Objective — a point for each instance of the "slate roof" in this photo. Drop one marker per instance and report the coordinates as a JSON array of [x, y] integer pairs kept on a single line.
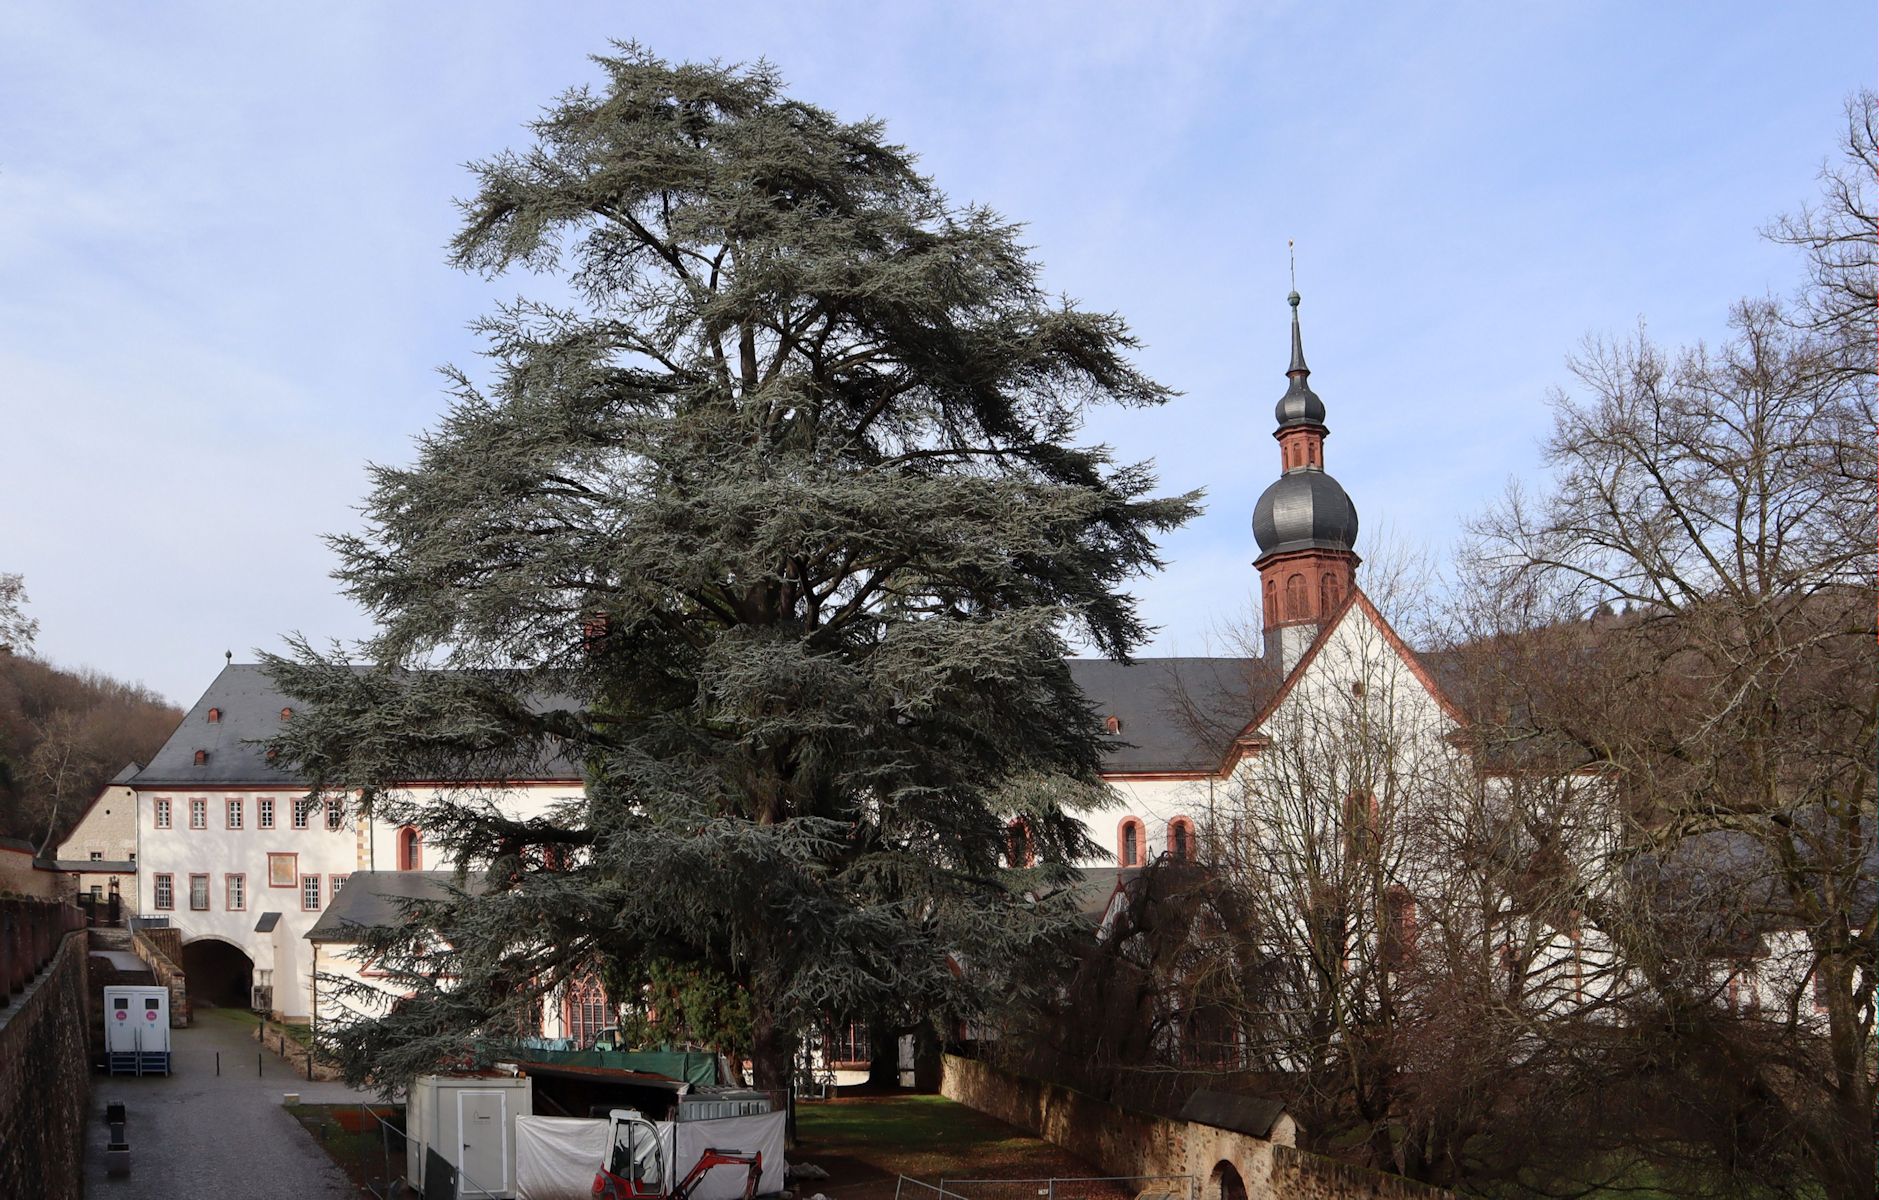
[[1251, 1115], [250, 709], [372, 898], [1177, 714]]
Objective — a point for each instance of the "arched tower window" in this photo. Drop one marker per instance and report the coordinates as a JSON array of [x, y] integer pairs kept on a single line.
[[1327, 592], [1129, 843], [1272, 602], [410, 849], [1181, 839], [1296, 604]]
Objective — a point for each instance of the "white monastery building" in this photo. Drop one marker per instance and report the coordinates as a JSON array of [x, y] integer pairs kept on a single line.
[[230, 850], [262, 882]]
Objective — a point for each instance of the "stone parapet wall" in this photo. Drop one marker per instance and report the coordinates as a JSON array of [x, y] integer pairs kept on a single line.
[[1120, 1142], [45, 1081], [148, 945], [1297, 1175]]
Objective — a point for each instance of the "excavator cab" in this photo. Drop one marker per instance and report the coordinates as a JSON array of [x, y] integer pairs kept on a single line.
[[635, 1164]]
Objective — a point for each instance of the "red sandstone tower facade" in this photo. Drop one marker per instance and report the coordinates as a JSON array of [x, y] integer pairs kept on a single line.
[[1305, 524]]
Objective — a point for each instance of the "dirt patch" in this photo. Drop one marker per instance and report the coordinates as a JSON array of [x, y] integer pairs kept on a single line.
[[867, 1143]]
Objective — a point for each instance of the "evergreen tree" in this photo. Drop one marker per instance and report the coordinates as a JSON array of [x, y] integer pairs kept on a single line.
[[775, 528]]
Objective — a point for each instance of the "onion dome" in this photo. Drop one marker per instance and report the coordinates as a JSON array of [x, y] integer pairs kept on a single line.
[[1300, 405], [1304, 510]]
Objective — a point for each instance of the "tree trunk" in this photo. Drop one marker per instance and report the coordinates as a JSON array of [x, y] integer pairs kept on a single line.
[[772, 1047], [883, 1055]]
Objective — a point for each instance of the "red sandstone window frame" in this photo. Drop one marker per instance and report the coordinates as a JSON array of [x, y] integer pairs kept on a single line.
[[198, 812], [1182, 829], [585, 1011], [1124, 827], [315, 893], [235, 891], [264, 812], [303, 812], [275, 876], [335, 814], [161, 812], [234, 813], [333, 885], [410, 848], [163, 891], [193, 877]]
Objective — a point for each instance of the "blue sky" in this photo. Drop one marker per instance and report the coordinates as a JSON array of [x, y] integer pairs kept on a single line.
[[222, 287]]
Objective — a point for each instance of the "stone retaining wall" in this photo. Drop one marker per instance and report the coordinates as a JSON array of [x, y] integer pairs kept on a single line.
[[1119, 1142], [45, 1081], [147, 944]]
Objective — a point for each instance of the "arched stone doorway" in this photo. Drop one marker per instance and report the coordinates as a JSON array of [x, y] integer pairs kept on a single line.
[[1225, 1183], [218, 973]]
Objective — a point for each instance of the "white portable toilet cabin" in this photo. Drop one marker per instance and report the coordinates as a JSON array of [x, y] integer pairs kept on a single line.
[[467, 1121], [137, 1030]]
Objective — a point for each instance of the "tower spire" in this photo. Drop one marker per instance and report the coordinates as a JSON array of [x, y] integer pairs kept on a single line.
[[1304, 522], [1298, 345]]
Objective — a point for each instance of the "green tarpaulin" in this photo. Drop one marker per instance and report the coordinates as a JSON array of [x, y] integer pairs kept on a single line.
[[692, 1066]]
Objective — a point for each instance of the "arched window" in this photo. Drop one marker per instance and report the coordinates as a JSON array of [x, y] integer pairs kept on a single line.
[[1181, 839], [1272, 602], [1327, 592], [1296, 604], [1112, 724], [1129, 843], [410, 849], [585, 1012]]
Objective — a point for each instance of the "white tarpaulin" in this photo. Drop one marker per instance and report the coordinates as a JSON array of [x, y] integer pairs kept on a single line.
[[556, 1158], [763, 1133]]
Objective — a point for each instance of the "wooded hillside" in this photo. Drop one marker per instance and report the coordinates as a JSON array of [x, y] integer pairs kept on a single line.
[[63, 735]]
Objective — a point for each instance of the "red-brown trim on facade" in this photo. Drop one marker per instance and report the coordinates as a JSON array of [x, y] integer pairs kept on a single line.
[[295, 873], [1158, 776], [243, 876]]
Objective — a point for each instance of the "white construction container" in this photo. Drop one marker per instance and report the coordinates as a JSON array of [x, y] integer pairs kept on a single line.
[[467, 1121], [137, 1030]]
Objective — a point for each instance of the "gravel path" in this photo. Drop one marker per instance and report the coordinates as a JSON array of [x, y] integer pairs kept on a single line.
[[196, 1134]]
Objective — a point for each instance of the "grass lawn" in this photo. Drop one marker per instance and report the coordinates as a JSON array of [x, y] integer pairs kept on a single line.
[[866, 1142], [370, 1155]]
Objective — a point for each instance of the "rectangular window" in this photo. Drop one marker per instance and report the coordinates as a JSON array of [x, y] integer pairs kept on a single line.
[[282, 869], [97, 856], [233, 813], [264, 812], [310, 893], [199, 893], [333, 884], [162, 806], [165, 891], [235, 898], [303, 812], [335, 814], [199, 812]]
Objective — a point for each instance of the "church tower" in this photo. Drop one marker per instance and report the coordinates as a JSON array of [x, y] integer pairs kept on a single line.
[[1304, 523]]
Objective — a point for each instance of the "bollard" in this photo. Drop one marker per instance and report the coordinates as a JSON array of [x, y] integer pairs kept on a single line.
[[218, 1062]]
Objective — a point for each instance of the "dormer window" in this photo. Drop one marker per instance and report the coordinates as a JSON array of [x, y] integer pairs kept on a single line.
[[1112, 724], [287, 714], [215, 716], [202, 756]]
